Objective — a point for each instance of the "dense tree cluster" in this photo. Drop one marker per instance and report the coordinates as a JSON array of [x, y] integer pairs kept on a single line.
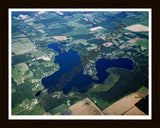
[[129, 81]]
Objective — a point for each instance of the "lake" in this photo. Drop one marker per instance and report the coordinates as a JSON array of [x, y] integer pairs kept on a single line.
[[69, 60]]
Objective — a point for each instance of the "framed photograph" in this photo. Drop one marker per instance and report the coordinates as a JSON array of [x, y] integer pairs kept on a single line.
[[80, 64]]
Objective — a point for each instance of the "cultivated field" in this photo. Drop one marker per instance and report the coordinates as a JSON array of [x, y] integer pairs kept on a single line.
[[134, 40], [137, 28], [125, 104], [41, 12], [18, 36], [103, 37], [60, 38], [85, 107], [116, 43], [23, 17], [134, 111], [29, 20], [96, 28], [121, 47], [58, 12], [108, 44]]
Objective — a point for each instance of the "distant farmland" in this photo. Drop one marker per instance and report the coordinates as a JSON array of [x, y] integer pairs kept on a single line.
[[85, 107], [126, 105]]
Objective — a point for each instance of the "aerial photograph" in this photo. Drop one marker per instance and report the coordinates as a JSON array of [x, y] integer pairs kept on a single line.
[[72, 62]]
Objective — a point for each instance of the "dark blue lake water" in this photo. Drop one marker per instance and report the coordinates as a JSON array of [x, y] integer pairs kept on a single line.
[[68, 61]]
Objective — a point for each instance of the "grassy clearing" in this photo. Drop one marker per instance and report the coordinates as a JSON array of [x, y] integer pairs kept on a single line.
[[143, 43], [144, 22], [37, 110], [38, 25], [31, 34], [77, 31], [37, 53], [23, 46], [17, 109], [49, 15], [28, 74], [60, 108], [100, 103], [18, 71], [109, 82], [142, 88]]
